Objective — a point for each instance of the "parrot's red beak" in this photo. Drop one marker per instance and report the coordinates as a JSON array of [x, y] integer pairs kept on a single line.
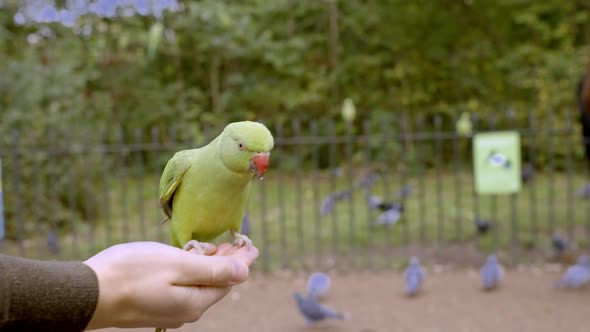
[[260, 161]]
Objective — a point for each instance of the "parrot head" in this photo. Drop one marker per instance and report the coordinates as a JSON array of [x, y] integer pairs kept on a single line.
[[245, 147]]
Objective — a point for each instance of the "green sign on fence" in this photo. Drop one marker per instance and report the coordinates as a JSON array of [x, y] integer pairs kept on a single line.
[[496, 162]]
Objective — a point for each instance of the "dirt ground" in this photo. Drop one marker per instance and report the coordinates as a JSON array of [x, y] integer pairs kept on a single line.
[[451, 301]]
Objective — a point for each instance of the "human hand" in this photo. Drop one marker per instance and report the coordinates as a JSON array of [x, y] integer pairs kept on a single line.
[[148, 284]]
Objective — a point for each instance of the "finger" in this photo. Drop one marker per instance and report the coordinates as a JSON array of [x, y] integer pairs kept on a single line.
[[194, 270], [245, 254], [209, 248]]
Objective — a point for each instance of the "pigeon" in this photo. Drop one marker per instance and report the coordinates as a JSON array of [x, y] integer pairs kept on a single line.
[[376, 202], [330, 200], [405, 191], [576, 275], [337, 172], [367, 182], [327, 205], [559, 243], [313, 311], [584, 192], [340, 195], [482, 225], [389, 217], [414, 277], [565, 252], [318, 285], [52, 243], [491, 273], [528, 172]]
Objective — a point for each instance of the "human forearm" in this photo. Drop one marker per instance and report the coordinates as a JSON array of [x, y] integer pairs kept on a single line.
[[47, 296]]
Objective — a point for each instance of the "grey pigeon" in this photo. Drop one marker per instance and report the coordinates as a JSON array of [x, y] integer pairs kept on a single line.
[[52, 243], [491, 273], [313, 311], [482, 225], [559, 243], [337, 172], [327, 205], [318, 285], [584, 192], [414, 277], [246, 225], [389, 217], [376, 202], [330, 200], [528, 172], [367, 181], [576, 275], [340, 195], [405, 191]]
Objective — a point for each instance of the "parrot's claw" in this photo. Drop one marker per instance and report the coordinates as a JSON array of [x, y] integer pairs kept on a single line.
[[199, 248], [241, 240]]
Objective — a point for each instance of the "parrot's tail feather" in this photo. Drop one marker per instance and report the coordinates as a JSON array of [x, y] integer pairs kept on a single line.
[[165, 220]]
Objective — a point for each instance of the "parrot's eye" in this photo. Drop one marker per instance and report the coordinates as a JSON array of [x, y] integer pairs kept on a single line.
[[241, 146]]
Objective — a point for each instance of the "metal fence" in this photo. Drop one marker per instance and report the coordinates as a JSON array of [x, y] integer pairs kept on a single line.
[[338, 195]]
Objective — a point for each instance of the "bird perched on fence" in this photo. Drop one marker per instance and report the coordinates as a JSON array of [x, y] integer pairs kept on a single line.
[[491, 273], [414, 277], [577, 275], [313, 311], [318, 285], [204, 191]]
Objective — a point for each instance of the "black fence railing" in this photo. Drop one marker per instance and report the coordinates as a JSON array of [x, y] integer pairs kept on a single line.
[[366, 195]]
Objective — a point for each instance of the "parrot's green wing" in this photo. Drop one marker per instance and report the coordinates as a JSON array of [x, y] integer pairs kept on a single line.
[[171, 179]]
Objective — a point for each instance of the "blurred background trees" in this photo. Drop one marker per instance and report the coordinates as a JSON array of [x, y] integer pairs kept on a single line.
[[109, 71], [137, 63]]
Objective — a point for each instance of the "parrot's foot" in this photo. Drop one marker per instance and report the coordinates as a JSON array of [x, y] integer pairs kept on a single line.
[[241, 240], [200, 248]]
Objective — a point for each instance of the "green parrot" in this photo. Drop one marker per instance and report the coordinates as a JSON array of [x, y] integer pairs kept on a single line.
[[204, 191]]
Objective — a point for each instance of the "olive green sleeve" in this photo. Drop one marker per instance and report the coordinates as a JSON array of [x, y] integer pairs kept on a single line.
[[46, 296]]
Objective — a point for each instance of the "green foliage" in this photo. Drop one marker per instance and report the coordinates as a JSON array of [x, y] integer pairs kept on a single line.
[[219, 61]]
